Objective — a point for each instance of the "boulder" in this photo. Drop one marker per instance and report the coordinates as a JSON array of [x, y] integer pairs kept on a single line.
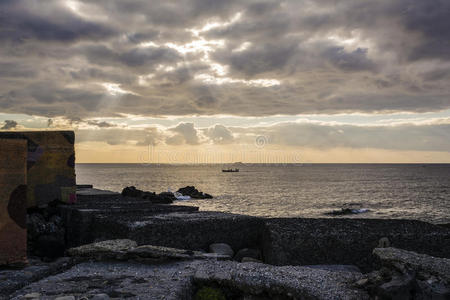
[[221, 248], [249, 253], [167, 253], [421, 264], [194, 193], [128, 250], [408, 275], [162, 198], [109, 249]]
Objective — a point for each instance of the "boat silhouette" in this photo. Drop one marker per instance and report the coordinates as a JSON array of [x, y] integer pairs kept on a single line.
[[230, 170]]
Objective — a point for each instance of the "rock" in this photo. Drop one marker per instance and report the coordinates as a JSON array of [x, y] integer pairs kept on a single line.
[[49, 246], [250, 259], [422, 264], [409, 275], [100, 297], [162, 198], [247, 252], [336, 268], [32, 296], [399, 287], [45, 232], [128, 250], [384, 243], [65, 298], [347, 211], [166, 253], [131, 191], [296, 241], [288, 282], [221, 248], [111, 249], [193, 193]]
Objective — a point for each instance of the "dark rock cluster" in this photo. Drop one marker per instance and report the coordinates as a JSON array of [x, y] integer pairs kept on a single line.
[[407, 275], [194, 193], [46, 232], [161, 198]]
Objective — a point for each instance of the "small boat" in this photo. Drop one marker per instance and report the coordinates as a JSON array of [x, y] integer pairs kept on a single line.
[[230, 170]]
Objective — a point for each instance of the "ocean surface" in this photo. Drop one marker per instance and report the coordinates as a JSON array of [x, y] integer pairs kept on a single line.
[[412, 191]]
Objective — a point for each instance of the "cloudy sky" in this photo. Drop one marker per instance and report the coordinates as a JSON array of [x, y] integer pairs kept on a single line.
[[222, 81]]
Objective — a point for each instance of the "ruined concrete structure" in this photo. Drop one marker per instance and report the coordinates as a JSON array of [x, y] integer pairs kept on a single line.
[[36, 168], [13, 180], [50, 165]]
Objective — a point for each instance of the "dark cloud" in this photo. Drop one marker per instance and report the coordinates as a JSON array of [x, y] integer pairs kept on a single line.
[[9, 124], [25, 20], [349, 61], [258, 59], [323, 56]]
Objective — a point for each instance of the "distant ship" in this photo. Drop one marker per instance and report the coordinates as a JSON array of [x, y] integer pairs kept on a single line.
[[230, 170]]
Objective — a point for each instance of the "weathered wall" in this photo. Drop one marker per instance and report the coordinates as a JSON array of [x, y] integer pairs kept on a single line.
[[13, 179], [296, 241], [50, 165]]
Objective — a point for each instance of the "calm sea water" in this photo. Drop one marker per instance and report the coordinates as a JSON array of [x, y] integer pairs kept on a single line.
[[410, 191]]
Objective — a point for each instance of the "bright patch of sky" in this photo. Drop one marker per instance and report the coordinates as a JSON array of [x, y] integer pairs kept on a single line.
[[135, 122]]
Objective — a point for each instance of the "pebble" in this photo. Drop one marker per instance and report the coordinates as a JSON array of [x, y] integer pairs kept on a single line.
[[65, 298]]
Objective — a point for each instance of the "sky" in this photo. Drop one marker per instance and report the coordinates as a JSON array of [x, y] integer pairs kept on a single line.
[[209, 81]]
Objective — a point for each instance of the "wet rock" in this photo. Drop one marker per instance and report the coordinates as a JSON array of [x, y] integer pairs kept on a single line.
[[194, 193], [347, 211], [108, 249], [221, 248], [249, 253], [100, 297], [162, 198], [132, 191]]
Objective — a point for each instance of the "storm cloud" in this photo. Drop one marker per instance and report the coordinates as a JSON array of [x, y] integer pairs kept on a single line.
[[254, 58]]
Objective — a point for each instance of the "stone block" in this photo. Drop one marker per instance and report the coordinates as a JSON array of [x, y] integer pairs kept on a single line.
[[50, 165], [13, 179]]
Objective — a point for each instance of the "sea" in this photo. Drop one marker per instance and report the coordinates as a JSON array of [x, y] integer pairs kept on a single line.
[[401, 191]]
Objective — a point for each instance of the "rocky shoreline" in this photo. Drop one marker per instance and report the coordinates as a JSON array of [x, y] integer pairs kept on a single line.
[[118, 246]]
